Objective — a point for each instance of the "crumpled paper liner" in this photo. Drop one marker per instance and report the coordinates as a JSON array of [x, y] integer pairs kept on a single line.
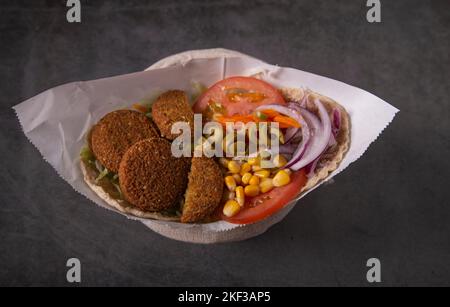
[[56, 121]]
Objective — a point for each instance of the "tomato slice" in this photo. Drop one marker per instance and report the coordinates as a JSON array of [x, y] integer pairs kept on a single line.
[[239, 95], [264, 205]]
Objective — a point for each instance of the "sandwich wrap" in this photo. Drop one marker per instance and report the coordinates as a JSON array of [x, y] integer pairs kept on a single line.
[[328, 161], [59, 135]]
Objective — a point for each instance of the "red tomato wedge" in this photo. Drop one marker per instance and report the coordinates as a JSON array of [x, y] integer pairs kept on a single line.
[[239, 95], [264, 205]]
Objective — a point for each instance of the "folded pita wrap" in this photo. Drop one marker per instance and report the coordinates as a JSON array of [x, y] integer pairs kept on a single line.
[[59, 135], [327, 163]]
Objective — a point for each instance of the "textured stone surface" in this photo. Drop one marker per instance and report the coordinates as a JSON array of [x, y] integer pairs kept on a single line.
[[392, 204]]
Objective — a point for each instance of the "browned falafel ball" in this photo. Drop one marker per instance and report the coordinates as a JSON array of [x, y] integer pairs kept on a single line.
[[116, 132], [171, 107], [204, 191], [151, 178]]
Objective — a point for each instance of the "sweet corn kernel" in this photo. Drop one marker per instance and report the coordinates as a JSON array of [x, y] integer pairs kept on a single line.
[[279, 161], [237, 178], [256, 168], [240, 196], [266, 185], [246, 178], [263, 173], [234, 167], [282, 178], [251, 190], [231, 208], [230, 183], [245, 168], [224, 162], [253, 161], [254, 180]]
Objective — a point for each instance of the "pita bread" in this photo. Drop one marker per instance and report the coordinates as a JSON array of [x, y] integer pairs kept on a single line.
[[106, 191], [328, 162], [331, 158]]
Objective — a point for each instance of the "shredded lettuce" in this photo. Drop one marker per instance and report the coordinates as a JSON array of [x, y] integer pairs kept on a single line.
[[102, 174], [117, 186], [149, 100], [99, 166], [86, 155], [197, 89]]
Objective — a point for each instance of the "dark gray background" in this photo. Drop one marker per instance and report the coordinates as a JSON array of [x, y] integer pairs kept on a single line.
[[392, 204]]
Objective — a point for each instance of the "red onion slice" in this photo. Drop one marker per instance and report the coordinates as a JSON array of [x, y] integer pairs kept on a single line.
[[288, 148], [336, 121], [320, 131], [291, 134], [299, 118], [285, 111], [295, 105], [332, 141], [310, 168], [313, 123]]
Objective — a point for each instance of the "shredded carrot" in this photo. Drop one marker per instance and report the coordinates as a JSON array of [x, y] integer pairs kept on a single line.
[[139, 107], [270, 113], [283, 126], [255, 118], [283, 121], [286, 122]]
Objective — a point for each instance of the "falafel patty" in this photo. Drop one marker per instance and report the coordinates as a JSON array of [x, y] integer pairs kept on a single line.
[[204, 191], [151, 178], [116, 132], [171, 107]]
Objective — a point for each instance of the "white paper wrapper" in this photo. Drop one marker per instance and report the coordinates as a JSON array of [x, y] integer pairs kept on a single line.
[[57, 120]]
